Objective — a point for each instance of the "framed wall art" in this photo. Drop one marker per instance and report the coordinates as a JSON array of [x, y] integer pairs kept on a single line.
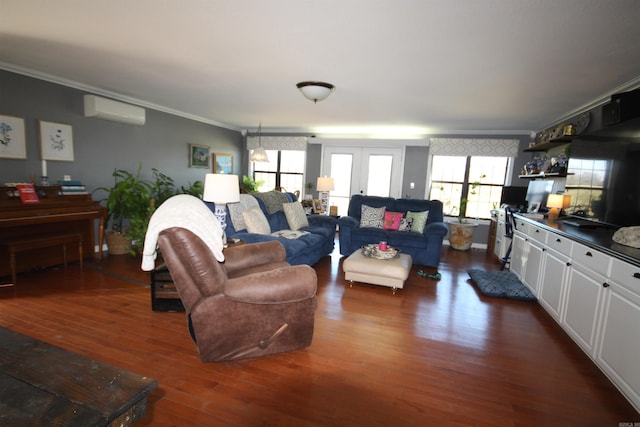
[[198, 156], [222, 163], [56, 141], [12, 141], [317, 206]]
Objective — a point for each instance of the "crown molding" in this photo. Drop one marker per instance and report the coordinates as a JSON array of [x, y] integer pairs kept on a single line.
[[113, 95]]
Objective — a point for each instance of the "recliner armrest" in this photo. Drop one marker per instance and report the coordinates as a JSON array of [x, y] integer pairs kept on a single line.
[[250, 255], [348, 221], [322, 221], [288, 284]]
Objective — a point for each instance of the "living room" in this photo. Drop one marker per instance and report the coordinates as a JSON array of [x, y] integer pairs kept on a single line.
[[165, 142]]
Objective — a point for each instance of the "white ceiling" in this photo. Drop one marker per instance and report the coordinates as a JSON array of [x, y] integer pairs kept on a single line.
[[430, 66]]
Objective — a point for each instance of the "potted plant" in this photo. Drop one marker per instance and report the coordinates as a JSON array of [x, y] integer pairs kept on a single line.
[[249, 185], [128, 199], [160, 189], [308, 194], [461, 230]]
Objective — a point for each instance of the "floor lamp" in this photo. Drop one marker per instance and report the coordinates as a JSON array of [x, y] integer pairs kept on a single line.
[[324, 185], [221, 189]]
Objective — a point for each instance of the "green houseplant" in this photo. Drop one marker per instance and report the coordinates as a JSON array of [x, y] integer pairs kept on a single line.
[[128, 199], [461, 231], [249, 185]]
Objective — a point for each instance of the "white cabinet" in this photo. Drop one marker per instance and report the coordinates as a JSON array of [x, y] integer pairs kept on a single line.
[[519, 254], [584, 299], [618, 348], [533, 265], [552, 285], [594, 297]]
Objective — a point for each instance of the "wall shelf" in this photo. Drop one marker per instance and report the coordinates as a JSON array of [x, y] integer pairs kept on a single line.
[[543, 175], [544, 146]]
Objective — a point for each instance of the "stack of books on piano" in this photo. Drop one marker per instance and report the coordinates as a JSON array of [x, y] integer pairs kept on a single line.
[[70, 188]]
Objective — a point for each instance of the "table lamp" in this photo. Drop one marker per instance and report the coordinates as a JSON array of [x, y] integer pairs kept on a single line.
[[324, 185], [556, 202], [221, 189]]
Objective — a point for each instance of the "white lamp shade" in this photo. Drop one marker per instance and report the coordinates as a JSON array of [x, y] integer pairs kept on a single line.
[[259, 155], [315, 91], [221, 188], [325, 184], [560, 201]]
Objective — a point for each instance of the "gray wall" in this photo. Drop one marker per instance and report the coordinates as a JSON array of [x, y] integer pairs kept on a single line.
[[101, 146]]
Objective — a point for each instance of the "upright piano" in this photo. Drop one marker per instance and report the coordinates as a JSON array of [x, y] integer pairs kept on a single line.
[[55, 212]]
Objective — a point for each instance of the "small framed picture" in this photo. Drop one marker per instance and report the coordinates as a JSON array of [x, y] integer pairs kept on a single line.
[[198, 156], [222, 163], [56, 141], [12, 141], [317, 206], [534, 207]]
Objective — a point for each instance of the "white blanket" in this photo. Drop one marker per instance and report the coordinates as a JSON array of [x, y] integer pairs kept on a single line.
[[184, 211]]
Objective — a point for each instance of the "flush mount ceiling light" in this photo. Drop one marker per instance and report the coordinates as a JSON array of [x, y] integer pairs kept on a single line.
[[315, 91]]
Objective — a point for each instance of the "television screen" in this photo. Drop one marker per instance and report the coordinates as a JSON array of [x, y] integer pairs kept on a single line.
[[604, 180], [537, 194]]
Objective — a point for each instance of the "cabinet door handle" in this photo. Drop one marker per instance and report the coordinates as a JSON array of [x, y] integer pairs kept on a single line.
[[636, 275], [568, 264], [558, 240], [588, 253], [605, 285], [537, 231]]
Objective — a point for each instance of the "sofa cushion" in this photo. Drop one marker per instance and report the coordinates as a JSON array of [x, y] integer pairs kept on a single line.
[[371, 217], [235, 210], [392, 220], [419, 221], [405, 224], [296, 217], [256, 221]]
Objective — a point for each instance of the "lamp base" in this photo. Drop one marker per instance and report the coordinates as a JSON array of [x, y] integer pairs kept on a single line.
[[324, 198], [221, 216], [554, 213]]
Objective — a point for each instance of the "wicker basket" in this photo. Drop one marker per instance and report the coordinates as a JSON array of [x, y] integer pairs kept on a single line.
[[117, 242]]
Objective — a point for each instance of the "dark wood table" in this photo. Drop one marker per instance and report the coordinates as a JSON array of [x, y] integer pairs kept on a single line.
[[45, 385]]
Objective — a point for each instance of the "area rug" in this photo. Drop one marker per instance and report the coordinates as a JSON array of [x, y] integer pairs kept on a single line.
[[501, 284]]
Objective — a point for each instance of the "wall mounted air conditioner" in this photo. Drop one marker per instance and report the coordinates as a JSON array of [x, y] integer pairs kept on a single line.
[[108, 109]]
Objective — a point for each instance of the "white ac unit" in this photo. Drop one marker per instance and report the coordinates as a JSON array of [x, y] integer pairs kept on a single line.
[[108, 109]]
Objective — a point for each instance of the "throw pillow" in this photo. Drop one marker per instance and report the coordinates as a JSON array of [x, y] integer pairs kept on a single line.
[[235, 210], [371, 217], [405, 224], [392, 220], [296, 217], [256, 221], [419, 220]]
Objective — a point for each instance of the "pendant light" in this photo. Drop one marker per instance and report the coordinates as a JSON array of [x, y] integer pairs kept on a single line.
[[259, 154]]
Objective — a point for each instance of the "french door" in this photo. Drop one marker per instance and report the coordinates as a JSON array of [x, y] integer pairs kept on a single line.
[[374, 171]]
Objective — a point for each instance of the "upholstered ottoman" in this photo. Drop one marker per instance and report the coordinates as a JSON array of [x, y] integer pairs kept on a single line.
[[384, 272]]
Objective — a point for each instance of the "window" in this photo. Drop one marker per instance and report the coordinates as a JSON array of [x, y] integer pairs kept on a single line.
[[473, 183], [585, 184], [284, 169]]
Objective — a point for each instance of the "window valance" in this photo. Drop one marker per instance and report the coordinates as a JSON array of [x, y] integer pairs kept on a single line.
[[474, 147], [297, 143]]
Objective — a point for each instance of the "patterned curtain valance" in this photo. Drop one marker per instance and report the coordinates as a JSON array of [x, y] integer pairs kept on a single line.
[[298, 143], [474, 147]]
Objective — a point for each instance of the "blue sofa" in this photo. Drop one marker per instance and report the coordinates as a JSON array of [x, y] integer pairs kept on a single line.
[[307, 249], [424, 248]]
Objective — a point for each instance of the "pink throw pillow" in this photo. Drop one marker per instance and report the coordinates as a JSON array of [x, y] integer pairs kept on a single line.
[[392, 220]]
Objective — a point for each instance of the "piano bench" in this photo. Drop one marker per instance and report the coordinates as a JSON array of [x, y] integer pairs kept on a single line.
[[21, 244]]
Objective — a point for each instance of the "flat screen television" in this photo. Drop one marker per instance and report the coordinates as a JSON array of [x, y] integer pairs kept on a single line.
[[604, 180], [514, 197]]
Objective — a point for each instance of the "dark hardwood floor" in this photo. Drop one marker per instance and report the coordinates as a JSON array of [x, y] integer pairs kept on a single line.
[[435, 354]]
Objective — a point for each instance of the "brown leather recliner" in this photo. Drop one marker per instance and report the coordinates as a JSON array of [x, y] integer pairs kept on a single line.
[[252, 304]]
